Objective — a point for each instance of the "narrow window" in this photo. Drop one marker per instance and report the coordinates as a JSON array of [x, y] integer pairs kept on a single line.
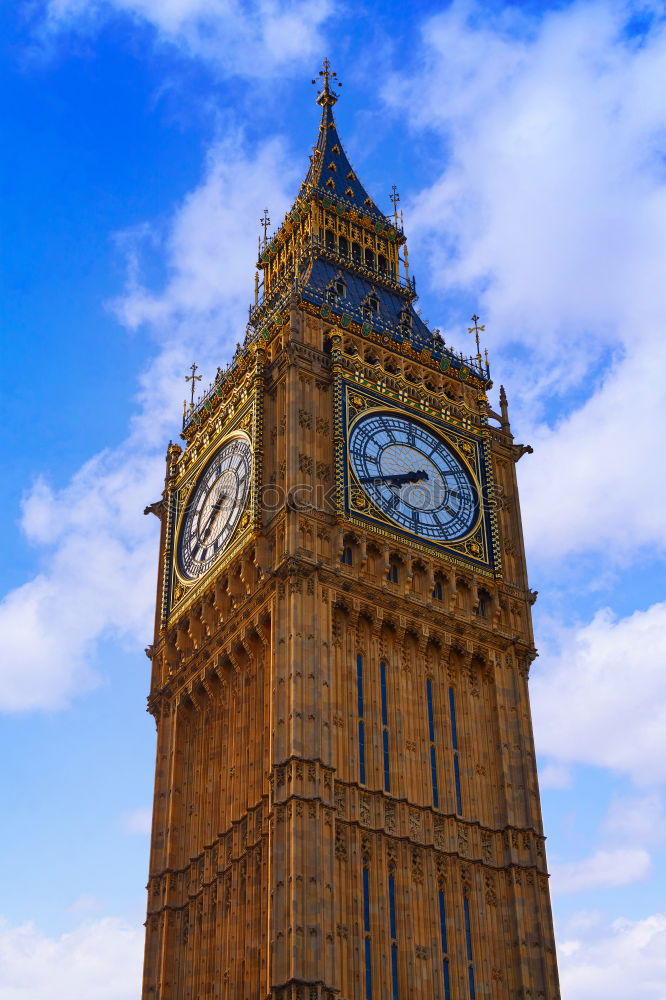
[[343, 246], [433, 749], [482, 609], [369, 259], [330, 240], [454, 744], [356, 253], [394, 936], [385, 732], [366, 930], [361, 724], [437, 591], [445, 948], [392, 573], [346, 556], [468, 939]]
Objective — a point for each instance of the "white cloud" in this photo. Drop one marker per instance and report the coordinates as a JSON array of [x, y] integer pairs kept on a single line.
[[251, 38], [101, 960], [601, 698], [99, 551], [210, 248], [605, 869], [551, 209], [98, 579], [594, 481], [622, 959], [84, 904], [638, 819], [137, 821], [553, 775]]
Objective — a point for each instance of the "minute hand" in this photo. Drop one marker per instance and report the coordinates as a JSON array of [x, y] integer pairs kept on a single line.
[[397, 479]]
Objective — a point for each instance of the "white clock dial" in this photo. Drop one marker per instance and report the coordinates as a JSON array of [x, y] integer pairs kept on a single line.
[[214, 508], [412, 474]]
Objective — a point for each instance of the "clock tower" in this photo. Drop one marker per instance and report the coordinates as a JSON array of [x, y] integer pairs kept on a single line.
[[346, 800]]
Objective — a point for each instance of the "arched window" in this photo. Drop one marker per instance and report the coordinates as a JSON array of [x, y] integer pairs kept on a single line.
[[392, 572], [483, 606], [347, 555], [437, 591]]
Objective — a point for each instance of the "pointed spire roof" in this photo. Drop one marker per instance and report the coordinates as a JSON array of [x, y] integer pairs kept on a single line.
[[330, 170]]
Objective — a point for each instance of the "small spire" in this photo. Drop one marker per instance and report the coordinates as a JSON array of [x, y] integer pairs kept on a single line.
[[504, 409], [327, 97], [265, 222], [395, 198], [476, 329], [193, 378]]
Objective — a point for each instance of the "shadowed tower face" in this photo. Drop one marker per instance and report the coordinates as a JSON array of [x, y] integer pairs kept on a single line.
[[346, 800]]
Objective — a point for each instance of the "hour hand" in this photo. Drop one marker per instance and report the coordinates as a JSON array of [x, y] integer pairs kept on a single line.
[[397, 479], [215, 508]]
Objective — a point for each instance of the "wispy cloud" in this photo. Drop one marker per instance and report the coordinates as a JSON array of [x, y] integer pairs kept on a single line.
[[549, 208], [248, 38], [98, 550], [637, 819], [605, 869], [612, 960], [100, 959], [137, 821], [601, 697]]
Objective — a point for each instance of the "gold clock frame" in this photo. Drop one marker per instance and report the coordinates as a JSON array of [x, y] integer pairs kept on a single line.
[[180, 592], [478, 547], [188, 488]]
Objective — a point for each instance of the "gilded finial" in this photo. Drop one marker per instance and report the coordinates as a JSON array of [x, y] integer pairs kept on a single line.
[[193, 378], [326, 96], [395, 198], [476, 329], [265, 222]]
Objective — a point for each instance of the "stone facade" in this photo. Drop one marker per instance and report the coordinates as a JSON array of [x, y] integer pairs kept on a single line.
[[279, 867]]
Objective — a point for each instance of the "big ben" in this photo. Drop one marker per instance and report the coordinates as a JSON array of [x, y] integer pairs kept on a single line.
[[346, 800]]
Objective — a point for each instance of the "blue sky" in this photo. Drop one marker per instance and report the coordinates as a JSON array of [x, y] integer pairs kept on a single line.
[[142, 140]]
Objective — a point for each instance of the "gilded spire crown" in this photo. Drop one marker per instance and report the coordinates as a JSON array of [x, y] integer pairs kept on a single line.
[[330, 170]]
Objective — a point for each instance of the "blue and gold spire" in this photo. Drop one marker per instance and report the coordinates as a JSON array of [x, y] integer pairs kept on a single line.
[[342, 259], [330, 171]]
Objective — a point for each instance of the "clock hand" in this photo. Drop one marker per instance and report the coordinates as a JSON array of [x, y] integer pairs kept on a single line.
[[215, 509], [397, 479]]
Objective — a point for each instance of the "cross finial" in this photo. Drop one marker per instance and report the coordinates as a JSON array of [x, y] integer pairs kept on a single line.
[[395, 198], [330, 79], [476, 329], [193, 378], [265, 222]]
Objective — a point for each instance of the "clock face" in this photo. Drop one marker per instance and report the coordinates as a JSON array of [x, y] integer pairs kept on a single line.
[[214, 508], [413, 476]]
